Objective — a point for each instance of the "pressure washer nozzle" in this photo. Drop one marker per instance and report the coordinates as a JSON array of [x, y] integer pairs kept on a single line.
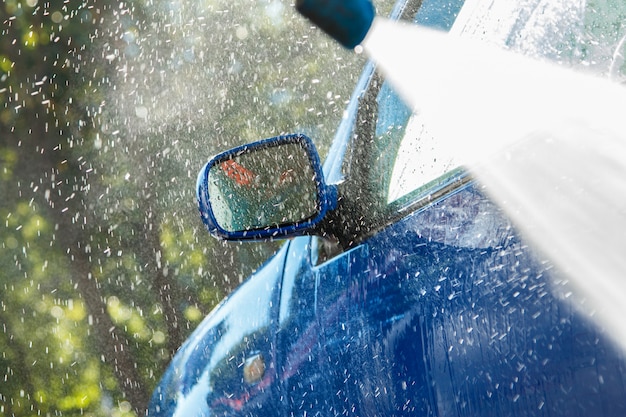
[[347, 21]]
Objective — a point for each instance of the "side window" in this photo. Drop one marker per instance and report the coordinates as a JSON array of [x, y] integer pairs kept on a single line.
[[404, 157], [408, 157], [389, 131], [420, 161]]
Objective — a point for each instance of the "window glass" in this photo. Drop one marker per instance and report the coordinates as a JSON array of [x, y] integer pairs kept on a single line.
[[403, 156], [407, 156], [419, 160], [390, 129]]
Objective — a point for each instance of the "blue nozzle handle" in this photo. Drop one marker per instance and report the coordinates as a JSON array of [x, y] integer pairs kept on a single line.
[[347, 21]]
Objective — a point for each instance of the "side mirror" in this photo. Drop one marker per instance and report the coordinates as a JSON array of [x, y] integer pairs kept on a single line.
[[269, 189]]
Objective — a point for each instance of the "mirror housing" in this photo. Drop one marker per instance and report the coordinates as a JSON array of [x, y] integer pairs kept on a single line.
[[270, 189]]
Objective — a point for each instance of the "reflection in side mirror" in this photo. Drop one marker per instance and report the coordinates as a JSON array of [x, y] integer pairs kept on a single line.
[[263, 187], [267, 189]]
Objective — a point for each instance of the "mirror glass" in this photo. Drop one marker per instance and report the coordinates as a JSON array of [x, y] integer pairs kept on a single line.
[[263, 187]]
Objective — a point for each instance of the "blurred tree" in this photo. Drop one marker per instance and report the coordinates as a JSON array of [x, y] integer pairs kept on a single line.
[[48, 266], [107, 111]]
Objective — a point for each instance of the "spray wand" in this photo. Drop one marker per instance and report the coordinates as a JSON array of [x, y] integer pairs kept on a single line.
[[347, 21]]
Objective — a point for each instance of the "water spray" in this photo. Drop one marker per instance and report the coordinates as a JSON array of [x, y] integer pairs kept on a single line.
[[548, 144]]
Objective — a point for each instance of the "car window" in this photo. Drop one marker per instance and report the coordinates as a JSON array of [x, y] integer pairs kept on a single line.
[[410, 158], [402, 158], [419, 161]]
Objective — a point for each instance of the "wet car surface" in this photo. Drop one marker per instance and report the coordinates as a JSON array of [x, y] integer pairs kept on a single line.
[[414, 296]]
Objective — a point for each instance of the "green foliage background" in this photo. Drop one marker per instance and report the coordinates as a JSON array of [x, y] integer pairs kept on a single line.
[[107, 111]]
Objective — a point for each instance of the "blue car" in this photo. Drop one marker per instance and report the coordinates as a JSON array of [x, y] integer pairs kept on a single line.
[[401, 289]]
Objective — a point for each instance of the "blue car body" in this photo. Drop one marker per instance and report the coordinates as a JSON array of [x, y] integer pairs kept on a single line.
[[436, 308]]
